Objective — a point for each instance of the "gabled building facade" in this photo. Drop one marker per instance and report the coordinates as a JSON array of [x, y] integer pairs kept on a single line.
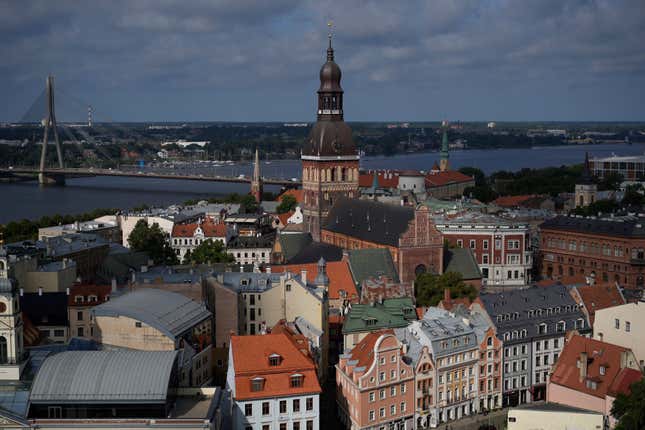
[[375, 384]]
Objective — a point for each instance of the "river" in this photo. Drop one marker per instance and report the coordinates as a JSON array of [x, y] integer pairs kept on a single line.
[[28, 200]]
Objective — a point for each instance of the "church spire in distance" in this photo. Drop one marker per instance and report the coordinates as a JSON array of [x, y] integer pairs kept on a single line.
[[256, 182], [445, 155]]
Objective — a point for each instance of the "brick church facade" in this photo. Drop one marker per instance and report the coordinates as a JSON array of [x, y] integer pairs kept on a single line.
[[330, 160]]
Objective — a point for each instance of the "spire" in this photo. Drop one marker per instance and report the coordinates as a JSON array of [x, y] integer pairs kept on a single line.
[[444, 148], [586, 177], [330, 50], [256, 182]]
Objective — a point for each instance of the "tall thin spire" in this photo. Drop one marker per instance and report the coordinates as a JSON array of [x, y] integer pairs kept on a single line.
[[330, 49], [445, 155], [256, 182]]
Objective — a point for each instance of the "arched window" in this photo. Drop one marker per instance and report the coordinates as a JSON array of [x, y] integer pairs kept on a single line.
[[2, 265], [420, 269], [3, 350], [343, 174]]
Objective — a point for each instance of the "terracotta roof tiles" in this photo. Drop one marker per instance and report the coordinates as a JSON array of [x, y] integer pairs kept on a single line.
[[340, 277], [251, 360], [208, 226]]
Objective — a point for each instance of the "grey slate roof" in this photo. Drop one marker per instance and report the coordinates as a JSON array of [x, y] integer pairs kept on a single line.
[[242, 242], [293, 243], [315, 251], [368, 220], [513, 307], [461, 260], [168, 312], [118, 376], [622, 227], [371, 263]]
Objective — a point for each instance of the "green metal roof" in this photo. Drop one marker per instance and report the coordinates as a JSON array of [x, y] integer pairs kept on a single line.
[[371, 263], [391, 313], [461, 260]]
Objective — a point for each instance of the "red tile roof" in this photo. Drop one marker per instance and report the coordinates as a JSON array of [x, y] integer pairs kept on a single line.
[[340, 277], [615, 380], [208, 225], [102, 292], [297, 193], [386, 179], [363, 352], [437, 179], [597, 297], [512, 201], [625, 378], [251, 360]]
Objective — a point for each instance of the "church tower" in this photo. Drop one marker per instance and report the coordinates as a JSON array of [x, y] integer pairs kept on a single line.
[[586, 189], [444, 163], [11, 335], [330, 160], [256, 182]]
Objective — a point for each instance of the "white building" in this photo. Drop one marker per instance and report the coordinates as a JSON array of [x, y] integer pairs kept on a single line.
[[623, 325], [11, 328], [186, 237], [252, 249], [273, 384]]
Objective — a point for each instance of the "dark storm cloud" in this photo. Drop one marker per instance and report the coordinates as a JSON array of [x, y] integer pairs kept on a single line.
[[258, 60]]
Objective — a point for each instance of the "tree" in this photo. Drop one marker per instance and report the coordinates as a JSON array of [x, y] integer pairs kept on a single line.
[[628, 409], [248, 204], [153, 241], [287, 204], [480, 178], [610, 181], [207, 252], [482, 193], [599, 206], [429, 288], [633, 196]]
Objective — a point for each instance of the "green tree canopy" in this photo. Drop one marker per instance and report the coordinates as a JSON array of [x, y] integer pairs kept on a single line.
[[602, 206], [482, 193], [207, 252], [248, 204], [429, 288], [633, 196], [478, 174], [629, 409], [153, 241], [287, 204]]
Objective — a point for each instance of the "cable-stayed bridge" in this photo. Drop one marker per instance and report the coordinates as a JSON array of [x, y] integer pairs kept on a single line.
[[43, 112]]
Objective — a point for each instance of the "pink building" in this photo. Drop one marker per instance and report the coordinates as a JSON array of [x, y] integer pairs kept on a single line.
[[590, 374], [375, 384]]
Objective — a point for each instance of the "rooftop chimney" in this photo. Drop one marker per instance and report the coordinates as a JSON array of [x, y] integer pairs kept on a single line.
[[623, 359], [268, 269], [144, 269], [40, 291], [303, 276], [583, 366], [446, 295], [113, 285]]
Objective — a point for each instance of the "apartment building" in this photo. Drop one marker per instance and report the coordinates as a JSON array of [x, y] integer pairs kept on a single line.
[[445, 351], [500, 247], [623, 325], [590, 374], [252, 303], [533, 324], [188, 236], [375, 384], [80, 302], [273, 384], [609, 250]]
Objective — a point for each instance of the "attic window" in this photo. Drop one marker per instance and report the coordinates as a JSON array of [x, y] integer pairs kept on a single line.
[[244, 282], [92, 298], [257, 384], [602, 370], [78, 299], [296, 380], [370, 321], [274, 360]]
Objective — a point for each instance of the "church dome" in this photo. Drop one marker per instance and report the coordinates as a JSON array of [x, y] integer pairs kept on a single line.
[[330, 73], [330, 139]]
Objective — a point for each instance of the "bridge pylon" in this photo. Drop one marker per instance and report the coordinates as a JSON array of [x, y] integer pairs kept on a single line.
[[50, 122]]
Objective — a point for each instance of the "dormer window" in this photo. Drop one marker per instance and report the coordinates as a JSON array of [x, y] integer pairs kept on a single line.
[[92, 298], [78, 299], [561, 326], [274, 359], [370, 321], [257, 384], [602, 370], [542, 328], [296, 380]]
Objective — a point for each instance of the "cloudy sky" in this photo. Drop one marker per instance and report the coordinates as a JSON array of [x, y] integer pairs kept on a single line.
[[258, 60]]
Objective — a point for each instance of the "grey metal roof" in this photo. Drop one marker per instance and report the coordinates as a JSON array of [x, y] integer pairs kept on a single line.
[[104, 377], [169, 312], [528, 308], [620, 226]]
